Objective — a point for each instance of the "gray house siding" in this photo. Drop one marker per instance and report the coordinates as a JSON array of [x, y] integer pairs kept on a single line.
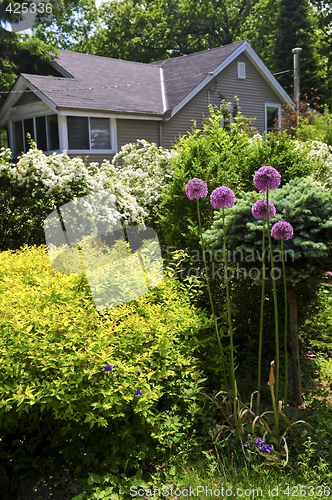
[[27, 98], [131, 130], [253, 92]]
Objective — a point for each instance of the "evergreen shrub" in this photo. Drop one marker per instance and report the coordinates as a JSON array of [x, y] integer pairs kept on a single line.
[[57, 400]]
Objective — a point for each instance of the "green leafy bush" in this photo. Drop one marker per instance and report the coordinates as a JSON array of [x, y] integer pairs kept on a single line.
[[57, 400]]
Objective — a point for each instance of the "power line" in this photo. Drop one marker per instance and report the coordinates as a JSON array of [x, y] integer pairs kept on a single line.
[[103, 87]]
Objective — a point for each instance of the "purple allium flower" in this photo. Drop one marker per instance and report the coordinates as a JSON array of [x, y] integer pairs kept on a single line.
[[246, 446], [265, 448], [138, 393], [108, 368], [259, 442], [196, 188], [267, 177], [282, 230], [259, 209], [222, 197]]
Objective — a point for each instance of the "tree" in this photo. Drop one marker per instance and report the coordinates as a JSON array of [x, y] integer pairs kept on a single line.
[[294, 29], [22, 54], [72, 27], [307, 206], [148, 30]]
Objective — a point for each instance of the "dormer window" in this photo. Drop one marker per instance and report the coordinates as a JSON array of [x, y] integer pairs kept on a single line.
[[241, 70]]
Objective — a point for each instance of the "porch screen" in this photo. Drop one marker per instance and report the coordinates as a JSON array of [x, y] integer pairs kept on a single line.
[[18, 138], [41, 133], [52, 132], [28, 129], [100, 133], [78, 132]]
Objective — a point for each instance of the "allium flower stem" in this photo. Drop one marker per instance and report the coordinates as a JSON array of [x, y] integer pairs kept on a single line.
[[261, 324], [211, 301], [286, 321], [230, 329], [276, 322]]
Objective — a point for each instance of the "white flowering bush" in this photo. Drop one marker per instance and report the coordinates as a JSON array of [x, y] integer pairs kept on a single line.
[[38, 184], [145, 172], [320, 155]]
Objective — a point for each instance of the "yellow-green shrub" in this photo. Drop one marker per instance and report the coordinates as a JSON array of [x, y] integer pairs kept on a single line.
[[54, 347]]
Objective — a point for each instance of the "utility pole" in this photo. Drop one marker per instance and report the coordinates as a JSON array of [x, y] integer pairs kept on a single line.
[[296, 63]]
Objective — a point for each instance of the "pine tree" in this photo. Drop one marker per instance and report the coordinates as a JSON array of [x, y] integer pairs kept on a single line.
[[294, 29]]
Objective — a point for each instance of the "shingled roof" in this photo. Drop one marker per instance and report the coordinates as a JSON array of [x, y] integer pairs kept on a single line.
[[183, 74], [106, 84]]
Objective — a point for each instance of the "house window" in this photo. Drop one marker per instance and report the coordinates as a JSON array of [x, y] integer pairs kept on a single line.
[[86, 133], [272, 117], [241, 70], [43, 130]]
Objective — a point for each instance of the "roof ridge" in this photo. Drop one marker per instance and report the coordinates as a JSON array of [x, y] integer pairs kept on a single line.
[[100, 57], [195, 53]]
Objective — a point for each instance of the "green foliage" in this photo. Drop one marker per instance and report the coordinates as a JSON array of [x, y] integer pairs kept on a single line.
[[306, 205], [317, 127], [317, 329], [294, 29], [22, 54], [56, 402], [220, 158]]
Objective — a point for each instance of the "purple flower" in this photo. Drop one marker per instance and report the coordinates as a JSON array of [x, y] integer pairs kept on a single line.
[[138, 393], [246, 446], [282, 230], [196, 188], [259, 209], [259, 442], [117, 375], [108, 368], [222, 197], [265, 448], [267, 177]]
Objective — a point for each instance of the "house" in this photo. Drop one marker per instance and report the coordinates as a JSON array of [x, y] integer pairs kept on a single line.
[[98, 104]]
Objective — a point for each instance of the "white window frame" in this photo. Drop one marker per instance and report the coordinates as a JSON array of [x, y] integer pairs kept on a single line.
[[12, 131], [241, 70], [272, 105], [112, 125]]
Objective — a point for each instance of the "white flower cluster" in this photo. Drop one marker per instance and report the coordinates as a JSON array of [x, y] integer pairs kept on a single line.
[[58, 176], [320, 154], [255, 139], [145, 172], [137, 184]]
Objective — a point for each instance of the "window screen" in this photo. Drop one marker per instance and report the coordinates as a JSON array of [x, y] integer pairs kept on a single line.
[[78, 132], [41, 133], [241, 70], [18, 135], [100, 133], [28, 129], [53, 132], [272, 116]]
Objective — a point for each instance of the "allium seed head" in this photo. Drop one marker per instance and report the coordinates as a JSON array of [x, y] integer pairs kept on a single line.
[[196, 188], [222, 197], [267, 177], [259, 209], [282, 230]]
